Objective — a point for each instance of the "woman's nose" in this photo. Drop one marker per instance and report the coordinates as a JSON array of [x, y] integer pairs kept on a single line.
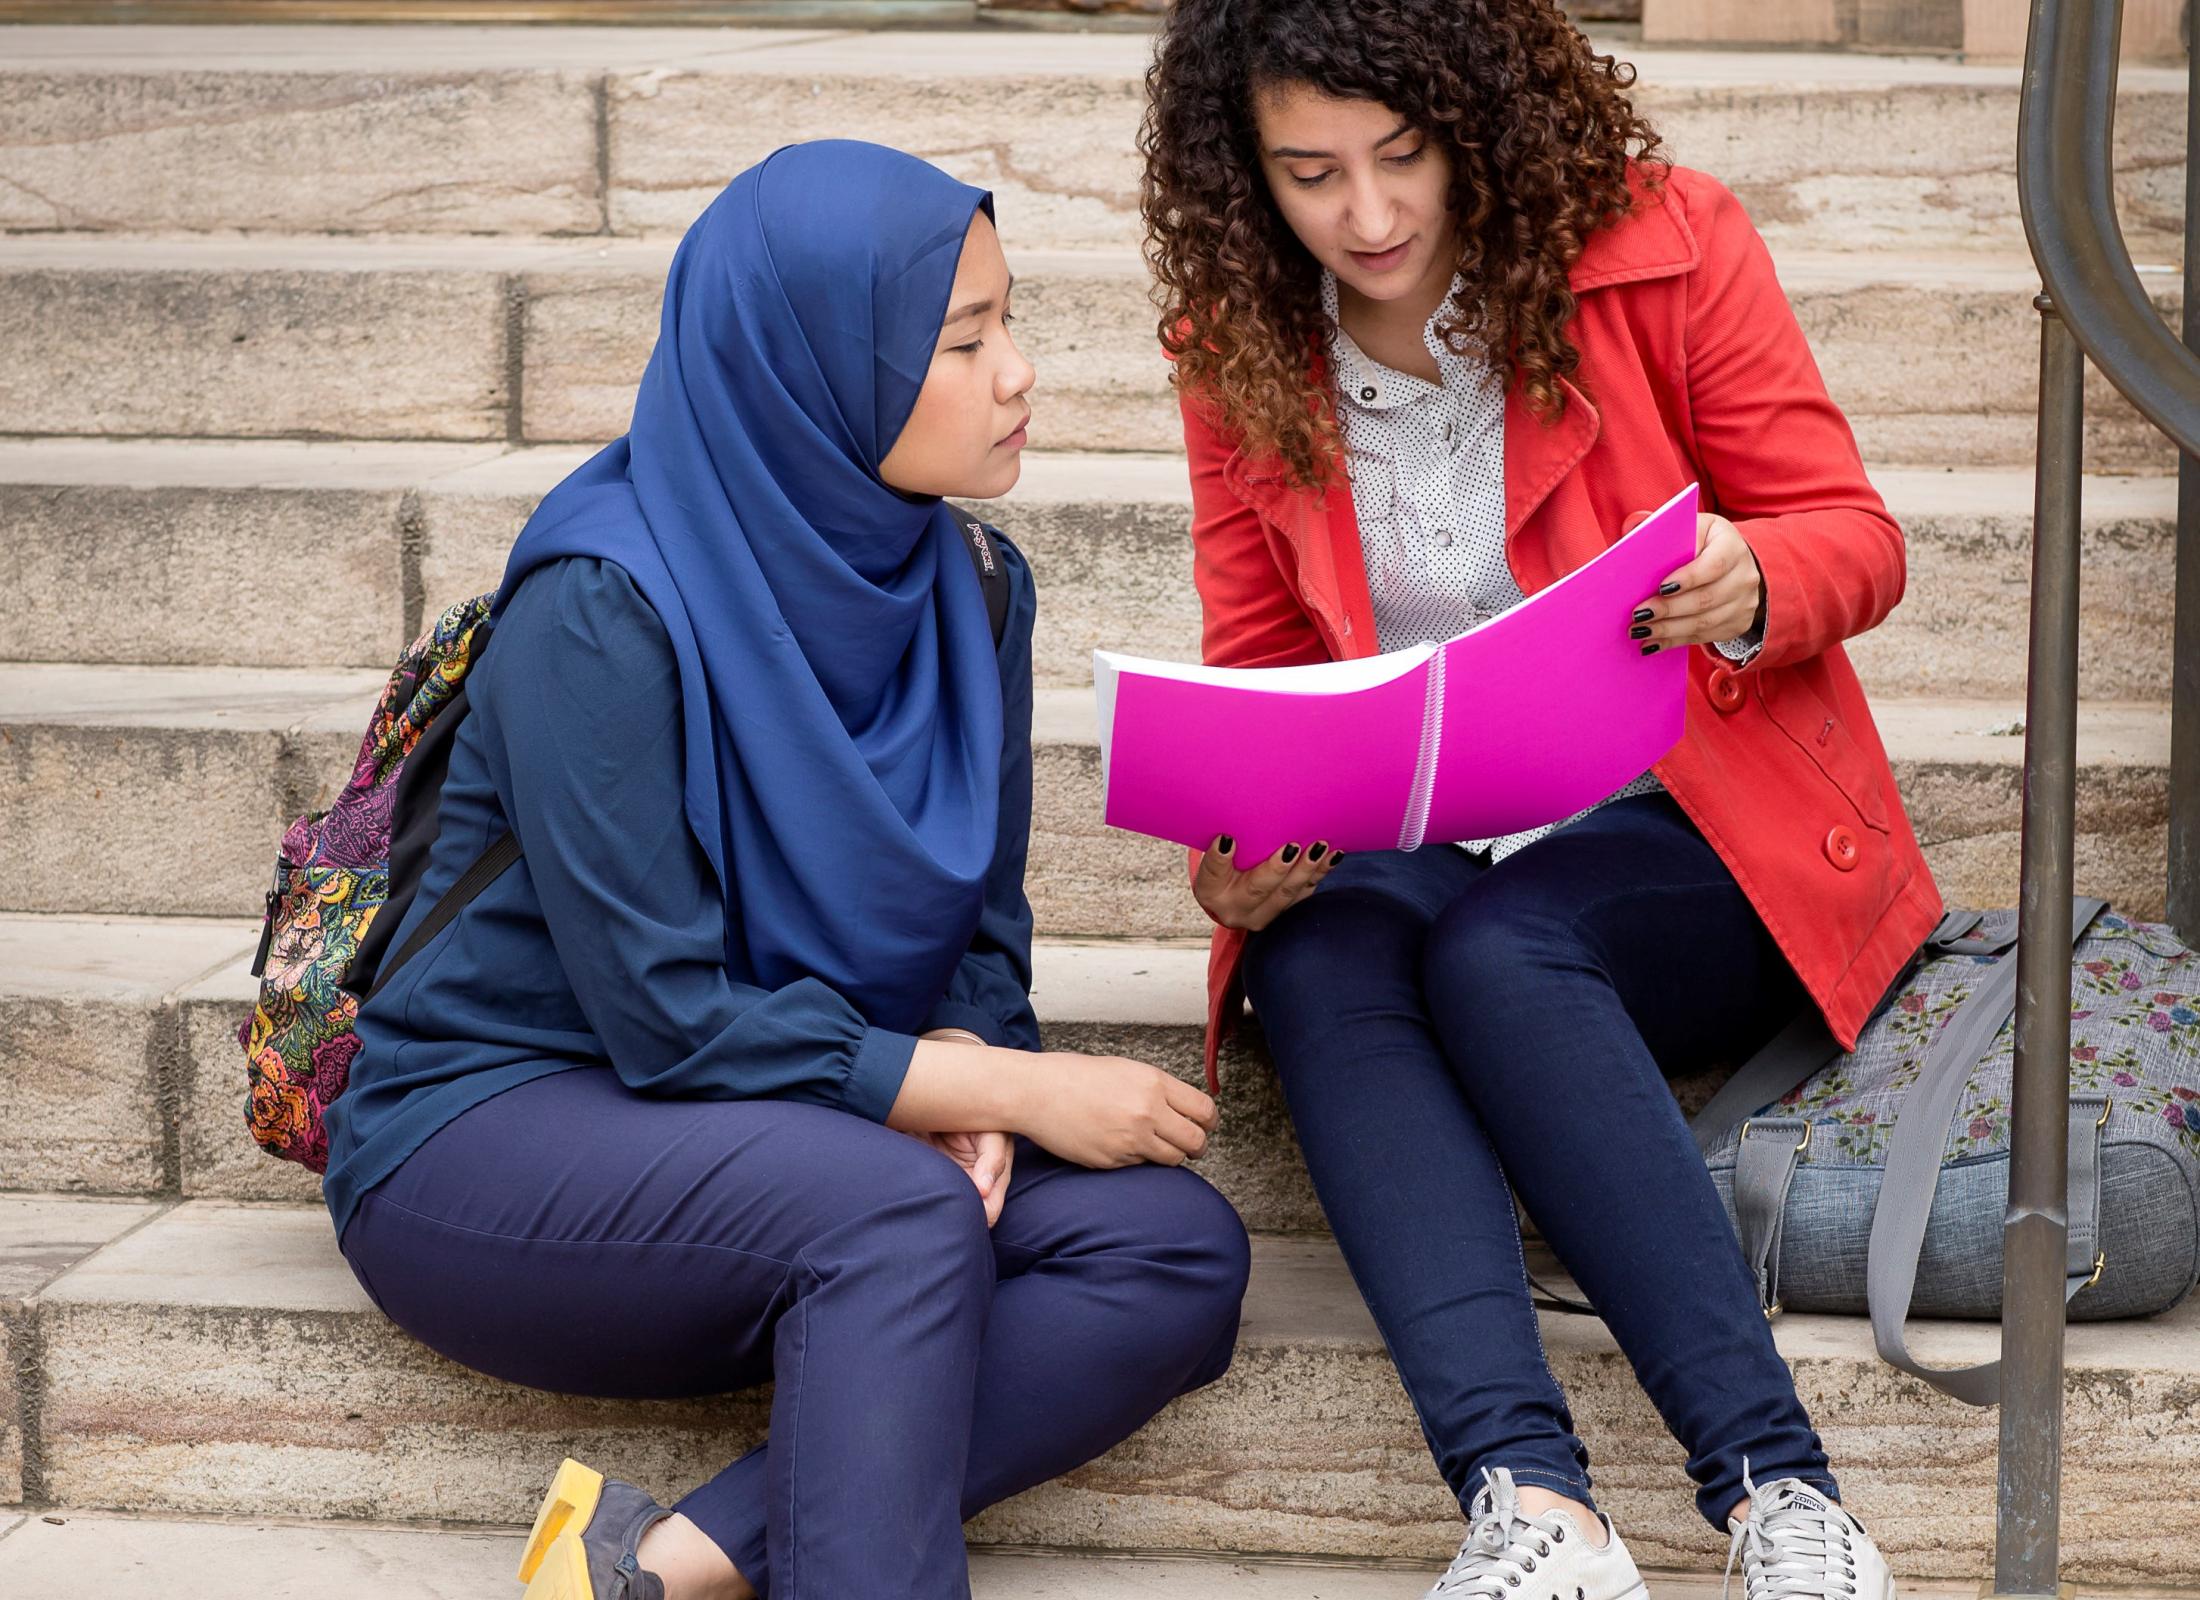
[[1369, 212], [1016, 376]]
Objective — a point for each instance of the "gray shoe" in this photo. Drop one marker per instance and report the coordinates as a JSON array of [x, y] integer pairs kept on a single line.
[[586, 1535], [1798, 1544], [1509, 1555]]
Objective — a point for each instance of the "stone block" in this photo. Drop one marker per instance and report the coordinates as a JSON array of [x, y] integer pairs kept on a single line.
[[41, 1237], [115, 339], [164, 792], [88, 1048], [192, 149]]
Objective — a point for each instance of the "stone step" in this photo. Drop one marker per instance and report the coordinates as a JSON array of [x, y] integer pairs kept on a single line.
[[69, 1554], [146, 1387], [158, 552], [189, 775], [120, 1072], [63, 1554], [544, 341], [631, 131]]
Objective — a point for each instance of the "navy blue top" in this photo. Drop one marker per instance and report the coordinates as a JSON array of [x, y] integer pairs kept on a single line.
[[607, 944]]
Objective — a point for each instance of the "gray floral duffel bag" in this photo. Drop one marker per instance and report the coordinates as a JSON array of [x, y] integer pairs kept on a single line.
[[1876, 1181]]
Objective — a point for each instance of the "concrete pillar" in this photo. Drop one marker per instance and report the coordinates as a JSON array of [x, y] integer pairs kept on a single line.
[[1982, 30]]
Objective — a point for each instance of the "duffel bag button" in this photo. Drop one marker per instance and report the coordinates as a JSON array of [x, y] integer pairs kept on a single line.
[[1725, 689], [1841, 849]]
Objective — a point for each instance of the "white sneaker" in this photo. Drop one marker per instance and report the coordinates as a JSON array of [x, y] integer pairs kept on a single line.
[[1799, 1545], [1509, 1555]]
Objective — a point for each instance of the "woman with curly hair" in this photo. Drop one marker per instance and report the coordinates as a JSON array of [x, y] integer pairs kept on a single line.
[[1444, 325]]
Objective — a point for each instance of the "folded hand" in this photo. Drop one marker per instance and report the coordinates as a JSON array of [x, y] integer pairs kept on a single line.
[[987, 1157]]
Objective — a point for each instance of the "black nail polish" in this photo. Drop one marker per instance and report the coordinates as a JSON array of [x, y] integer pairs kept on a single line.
[[1317, 852], [1333, 860], [1290, 854], [1227, 845], [1650, 649], [1643, 615], [1638, 632], [1670, 588]]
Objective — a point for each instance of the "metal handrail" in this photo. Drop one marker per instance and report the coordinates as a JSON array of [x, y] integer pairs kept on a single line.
[[2093, 306], [2066, 189]]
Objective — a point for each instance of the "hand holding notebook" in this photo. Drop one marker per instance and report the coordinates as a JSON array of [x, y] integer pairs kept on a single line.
[[1530, 717]]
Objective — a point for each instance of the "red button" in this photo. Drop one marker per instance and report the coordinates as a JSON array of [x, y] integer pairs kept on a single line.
[[1841, 849], [1725, 689]]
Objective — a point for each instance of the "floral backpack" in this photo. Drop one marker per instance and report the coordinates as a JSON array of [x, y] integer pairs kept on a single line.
[[334, 882], [345, 877]]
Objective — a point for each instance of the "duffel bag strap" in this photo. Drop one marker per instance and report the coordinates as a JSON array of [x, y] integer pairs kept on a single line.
[[1913, 1171], [1764, 1167], [1979, 933], [2083, 1258], [1955, 922], [1795, 1053]]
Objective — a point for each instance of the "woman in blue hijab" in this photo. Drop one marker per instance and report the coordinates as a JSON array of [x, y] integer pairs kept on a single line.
[[734, 1075]]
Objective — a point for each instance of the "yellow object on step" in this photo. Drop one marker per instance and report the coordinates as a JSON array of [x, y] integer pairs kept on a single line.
[[554, 1566], [563, 1574]]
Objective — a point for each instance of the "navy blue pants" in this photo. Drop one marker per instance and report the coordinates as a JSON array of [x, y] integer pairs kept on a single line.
[[574, 1236], [1442, 1026]]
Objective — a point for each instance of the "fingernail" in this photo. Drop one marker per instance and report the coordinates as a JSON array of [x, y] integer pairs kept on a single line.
[[1317, 852], [1669, 588], [1290, 854], [1638, 632], [1650, 649], [1643, 615], [1226, 844], [1333, 860]]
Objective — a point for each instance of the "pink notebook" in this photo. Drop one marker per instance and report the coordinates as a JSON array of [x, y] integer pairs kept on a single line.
[[1527, 719]]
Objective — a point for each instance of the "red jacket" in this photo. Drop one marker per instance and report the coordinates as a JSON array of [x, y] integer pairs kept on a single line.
[[1699, 373]]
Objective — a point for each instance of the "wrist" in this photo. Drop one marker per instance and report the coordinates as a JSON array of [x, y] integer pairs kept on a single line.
[[1020, 1087]]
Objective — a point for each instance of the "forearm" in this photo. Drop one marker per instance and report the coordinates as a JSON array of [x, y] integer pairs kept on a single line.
[[957, 1084], [1828, 576]]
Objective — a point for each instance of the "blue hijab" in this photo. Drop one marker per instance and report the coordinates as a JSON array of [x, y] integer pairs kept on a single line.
[[840, 692]]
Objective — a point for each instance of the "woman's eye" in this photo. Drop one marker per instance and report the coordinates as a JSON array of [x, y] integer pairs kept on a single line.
[[1314, 182], [1408, 158], [970, 349]]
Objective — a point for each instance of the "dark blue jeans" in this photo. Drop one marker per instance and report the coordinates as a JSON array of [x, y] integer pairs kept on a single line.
[[574, 1236], [1442, 1026]]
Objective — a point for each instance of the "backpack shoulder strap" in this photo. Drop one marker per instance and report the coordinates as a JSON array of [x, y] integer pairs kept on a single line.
[[486, 869], [985, 555]]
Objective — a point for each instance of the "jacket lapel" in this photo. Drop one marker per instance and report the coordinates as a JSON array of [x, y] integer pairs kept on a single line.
[[1538, 456], [1324, 537]]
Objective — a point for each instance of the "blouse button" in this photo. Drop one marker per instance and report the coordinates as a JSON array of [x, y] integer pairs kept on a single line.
[[1841, 849], [1367, 391], [1443, 538]]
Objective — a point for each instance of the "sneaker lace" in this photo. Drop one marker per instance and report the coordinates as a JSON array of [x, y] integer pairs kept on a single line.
[[1502, 1547], [1794, 1545]]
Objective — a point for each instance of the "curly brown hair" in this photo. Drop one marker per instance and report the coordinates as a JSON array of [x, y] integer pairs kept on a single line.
[[1540, 135]]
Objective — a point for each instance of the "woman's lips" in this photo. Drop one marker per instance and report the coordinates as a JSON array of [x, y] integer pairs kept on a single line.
[[1018, 439], [1380, 261]]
